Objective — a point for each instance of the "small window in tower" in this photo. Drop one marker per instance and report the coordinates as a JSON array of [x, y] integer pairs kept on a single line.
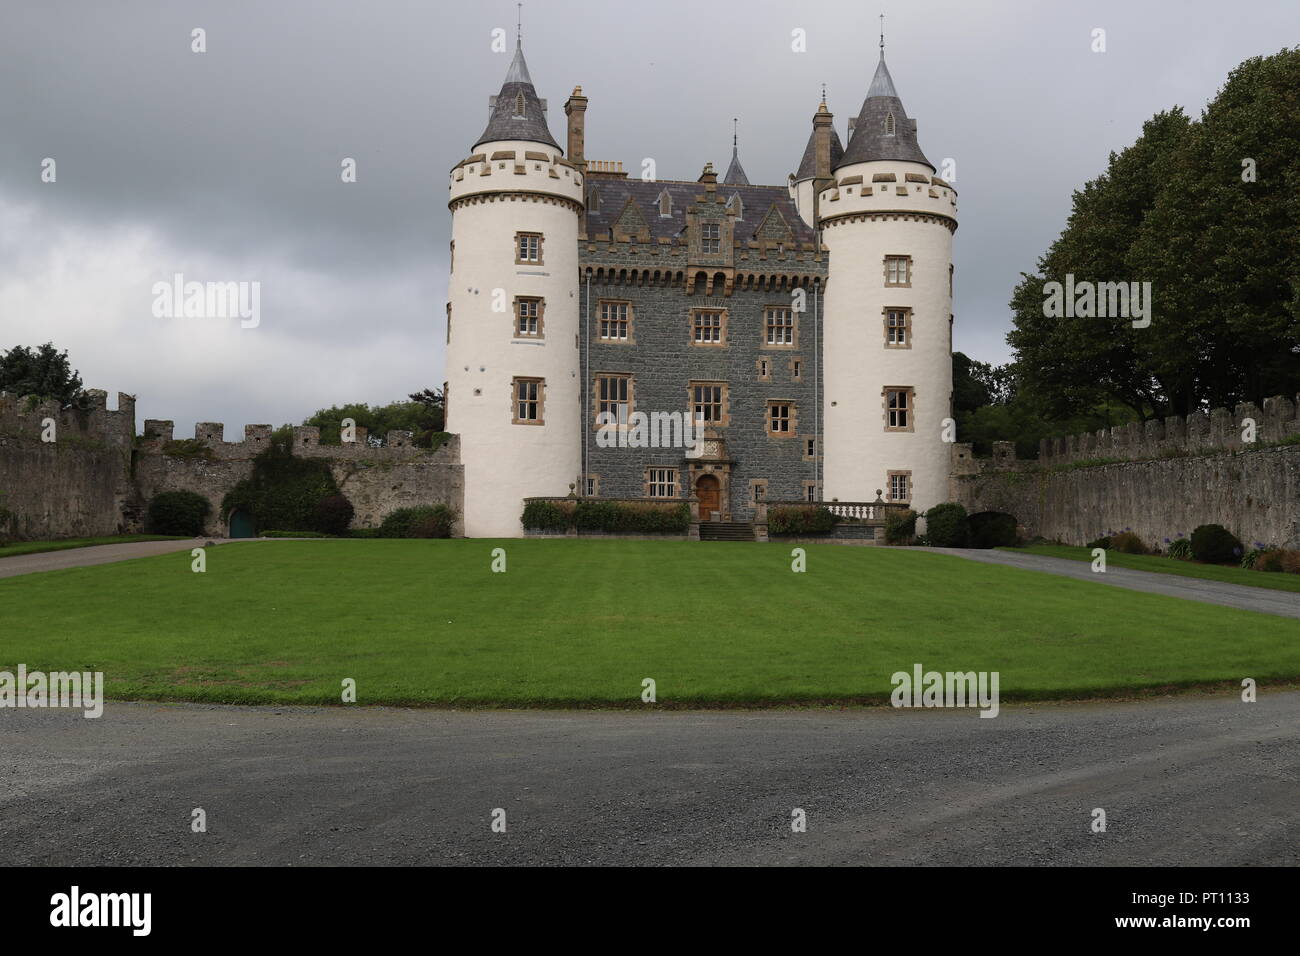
[[519, 107], [889, 124]]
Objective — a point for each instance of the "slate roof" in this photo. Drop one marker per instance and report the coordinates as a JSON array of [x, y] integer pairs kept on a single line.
[[808, 165], [503, 124], [755, 201], [870, 141], [735, 172]]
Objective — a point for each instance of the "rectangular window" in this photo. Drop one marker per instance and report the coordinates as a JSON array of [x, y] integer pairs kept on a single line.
[[764, 369], [780, 327], [711, 238], [707, 401], [591, 485], [810, 492], [709, 327], [615, 321], [810, 448], [528, 400], [900, 486], [613, 399], [796, 370], [661, 482], [780, 418], [898, 328], [898, 409], [898, 270], [757, 490], [528, 317], [528, 248]]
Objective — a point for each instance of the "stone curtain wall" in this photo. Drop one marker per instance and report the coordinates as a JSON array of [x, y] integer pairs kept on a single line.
[[1158, 479], [79, 484], [98, 478]]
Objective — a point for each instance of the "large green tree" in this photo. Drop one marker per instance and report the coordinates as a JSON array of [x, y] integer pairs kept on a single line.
[[1221, 248], [41, 371]]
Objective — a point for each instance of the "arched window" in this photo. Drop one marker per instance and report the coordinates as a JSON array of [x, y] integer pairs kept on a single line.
[[519, 106], [665, 204], [738, 205], [889, 124], [593, 200]]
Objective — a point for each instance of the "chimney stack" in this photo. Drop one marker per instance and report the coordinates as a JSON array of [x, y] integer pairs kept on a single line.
[[576, 110]]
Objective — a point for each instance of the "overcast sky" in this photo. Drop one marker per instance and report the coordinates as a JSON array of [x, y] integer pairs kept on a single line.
[[225, 165]]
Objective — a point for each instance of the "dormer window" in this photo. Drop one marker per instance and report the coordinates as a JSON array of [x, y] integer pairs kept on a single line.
[[735, 203], [519, 107], [889, 124], [665, 205], [593, 200]]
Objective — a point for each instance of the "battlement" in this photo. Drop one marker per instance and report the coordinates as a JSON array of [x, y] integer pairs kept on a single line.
[[1202, 433], [25, 417], [399, 444]]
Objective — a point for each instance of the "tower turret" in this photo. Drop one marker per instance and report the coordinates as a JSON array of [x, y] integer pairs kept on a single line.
[[887, 223], [819, 158], [512, 317]]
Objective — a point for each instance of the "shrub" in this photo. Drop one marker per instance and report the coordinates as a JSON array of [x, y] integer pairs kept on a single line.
[[800, 519], [1180, 549], [1290, 561], [637, 517], [1215, 544], [547, 515], [333, 514], [179, 512], [992, 529], [293, 534], [421, 521], [946, 526], [435, 522], [900, 526], [1127, 542]]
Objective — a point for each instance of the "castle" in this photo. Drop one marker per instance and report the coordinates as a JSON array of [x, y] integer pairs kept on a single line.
[[584, 302]]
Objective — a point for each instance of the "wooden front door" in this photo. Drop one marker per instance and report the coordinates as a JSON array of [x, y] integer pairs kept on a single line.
[[706, 489]]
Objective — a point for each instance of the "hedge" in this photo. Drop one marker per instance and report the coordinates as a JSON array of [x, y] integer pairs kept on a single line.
[[800, 519], [631, 517], [946, 526]]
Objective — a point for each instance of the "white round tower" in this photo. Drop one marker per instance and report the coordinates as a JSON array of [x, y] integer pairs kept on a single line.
[[513, 381], [887, 223]]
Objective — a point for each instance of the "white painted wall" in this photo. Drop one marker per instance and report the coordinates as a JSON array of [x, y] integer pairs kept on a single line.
[[857, 366], [504, 462]]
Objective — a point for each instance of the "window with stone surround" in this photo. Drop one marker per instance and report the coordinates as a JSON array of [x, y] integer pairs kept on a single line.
[[811, 491], [898, 408], [661, 482], [781, 419], [757, 490], [613, 399], [709, 327], [709, 402], [529, 312], [900, 486], [615, 321], [810, 449], [528, 248], [711, 238], [529, 400], [898, 271], [591, 486], [781, 327], [898, 328]]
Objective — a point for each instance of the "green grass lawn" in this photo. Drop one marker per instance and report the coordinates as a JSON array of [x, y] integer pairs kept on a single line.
[[35, 547], [1276, 581], [583, 622]]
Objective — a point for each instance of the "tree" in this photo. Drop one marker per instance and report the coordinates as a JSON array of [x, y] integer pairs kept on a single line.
[[41, 371], [423, 416], [1208, 212]]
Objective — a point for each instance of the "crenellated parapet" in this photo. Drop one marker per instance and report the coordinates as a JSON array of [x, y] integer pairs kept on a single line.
[[28, 418], [1199, 433]]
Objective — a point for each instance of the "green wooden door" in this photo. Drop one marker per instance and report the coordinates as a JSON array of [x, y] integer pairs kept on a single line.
[[241, 525]]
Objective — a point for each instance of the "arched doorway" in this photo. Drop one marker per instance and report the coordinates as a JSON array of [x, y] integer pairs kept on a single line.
[[241, 525], [708, 491]]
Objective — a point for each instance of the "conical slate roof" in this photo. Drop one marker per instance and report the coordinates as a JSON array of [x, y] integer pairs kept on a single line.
[[808, 165], [872, 137], [735, 172], [507, 122]]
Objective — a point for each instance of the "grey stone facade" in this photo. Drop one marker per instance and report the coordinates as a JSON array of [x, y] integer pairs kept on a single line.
[[635, 254]]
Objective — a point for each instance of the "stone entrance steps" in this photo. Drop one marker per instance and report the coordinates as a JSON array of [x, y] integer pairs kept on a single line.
[[726, 531]]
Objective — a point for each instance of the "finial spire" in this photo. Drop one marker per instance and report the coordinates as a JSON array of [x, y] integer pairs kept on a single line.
[[735, 130], [882, 35], [823, 94], [519, 26]]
